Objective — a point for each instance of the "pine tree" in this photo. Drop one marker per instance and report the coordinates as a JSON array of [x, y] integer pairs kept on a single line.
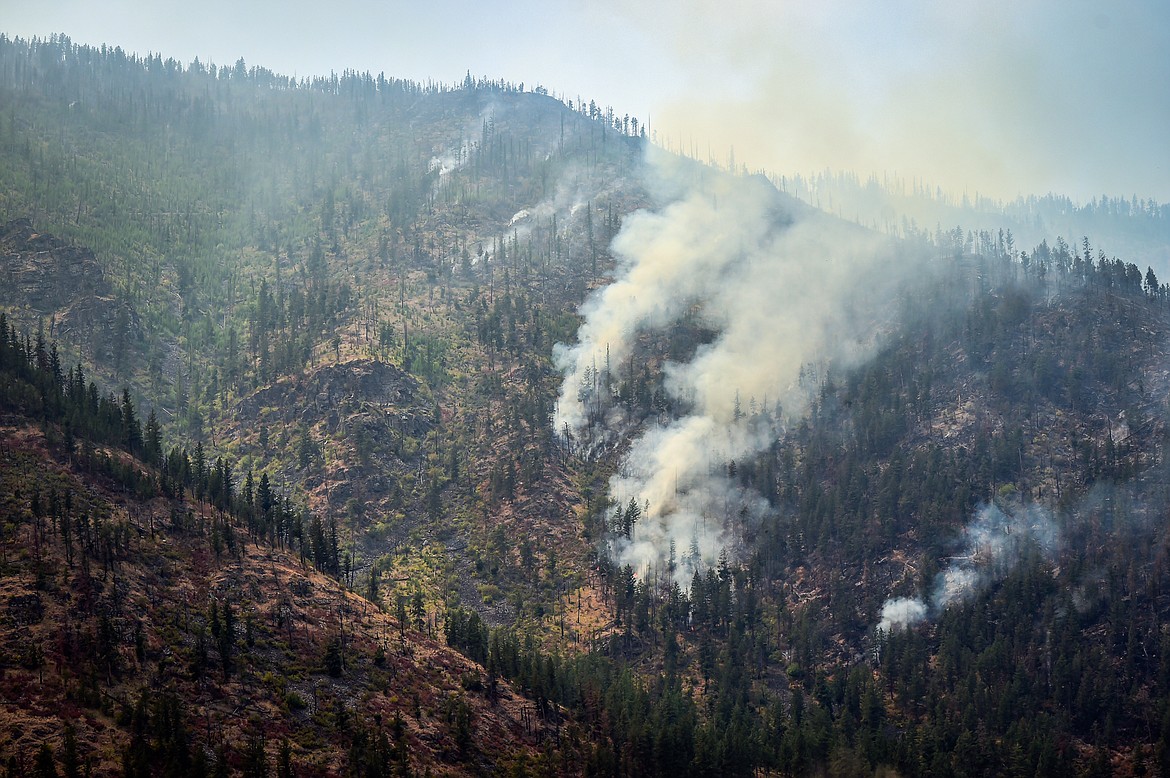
[[153, 440], [131, 428]]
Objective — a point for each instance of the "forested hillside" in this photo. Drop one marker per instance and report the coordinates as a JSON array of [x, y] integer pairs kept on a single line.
[[271, 256], [155, 624], [279, 380]]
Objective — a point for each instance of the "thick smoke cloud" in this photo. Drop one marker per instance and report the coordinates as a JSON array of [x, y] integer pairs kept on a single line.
[[780, 287], [993, 543]]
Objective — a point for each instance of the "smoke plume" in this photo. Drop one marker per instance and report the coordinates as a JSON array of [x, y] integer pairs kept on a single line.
[[993, 543], [779, 285]]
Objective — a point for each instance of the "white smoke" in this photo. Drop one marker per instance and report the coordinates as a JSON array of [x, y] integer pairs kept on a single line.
[[780, 287], [901, 613], [993, 543], [577, 186]]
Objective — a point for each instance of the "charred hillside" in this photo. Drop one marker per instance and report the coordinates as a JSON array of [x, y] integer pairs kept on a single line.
[[431, 345]]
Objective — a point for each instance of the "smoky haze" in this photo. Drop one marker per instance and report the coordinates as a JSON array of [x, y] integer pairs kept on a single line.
[[786, 292], [997, 98]]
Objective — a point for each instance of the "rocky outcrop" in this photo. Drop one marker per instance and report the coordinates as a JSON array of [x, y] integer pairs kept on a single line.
[[345, 388], [43, 272], [42, 276]]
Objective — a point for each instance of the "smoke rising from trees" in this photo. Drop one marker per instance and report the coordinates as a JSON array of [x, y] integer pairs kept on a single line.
[[779, 286], [993, 543]]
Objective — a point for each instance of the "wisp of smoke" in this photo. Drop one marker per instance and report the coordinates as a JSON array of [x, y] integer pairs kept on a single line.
[[779, 287], [994, 542]]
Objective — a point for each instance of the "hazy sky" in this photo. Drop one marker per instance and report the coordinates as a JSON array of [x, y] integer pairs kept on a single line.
[[989, 96]]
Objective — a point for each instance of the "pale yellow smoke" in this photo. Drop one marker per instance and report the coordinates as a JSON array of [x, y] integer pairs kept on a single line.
[[997, 98], [780, 285]]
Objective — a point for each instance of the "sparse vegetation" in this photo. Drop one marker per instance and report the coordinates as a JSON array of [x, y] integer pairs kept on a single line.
[[326, 528]]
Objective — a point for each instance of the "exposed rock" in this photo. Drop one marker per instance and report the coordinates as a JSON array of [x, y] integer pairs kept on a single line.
[[357, 385], [43, 272], [47, 277]]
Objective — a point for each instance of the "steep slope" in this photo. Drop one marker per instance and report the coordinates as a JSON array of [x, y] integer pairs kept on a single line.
[[145, 634], [259, 230], [947, 561]]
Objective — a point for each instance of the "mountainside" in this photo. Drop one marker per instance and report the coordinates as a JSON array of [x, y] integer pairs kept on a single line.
[[274, 237], [152, 625], [163, 641], [695, 478]]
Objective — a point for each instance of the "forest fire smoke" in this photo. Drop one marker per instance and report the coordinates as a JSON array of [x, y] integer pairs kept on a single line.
[[778, 288], [994, 543]]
